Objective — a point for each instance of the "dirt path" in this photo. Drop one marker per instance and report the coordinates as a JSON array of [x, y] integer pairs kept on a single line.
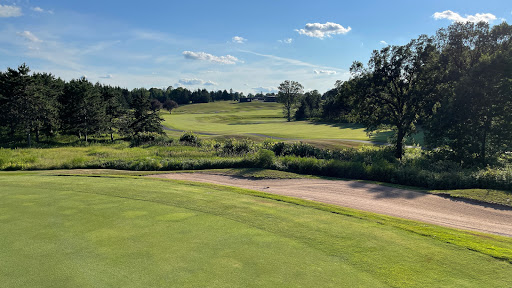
[[395, 202]]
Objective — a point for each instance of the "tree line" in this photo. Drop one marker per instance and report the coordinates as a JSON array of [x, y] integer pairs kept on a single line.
[[39, 105], [455, 85]]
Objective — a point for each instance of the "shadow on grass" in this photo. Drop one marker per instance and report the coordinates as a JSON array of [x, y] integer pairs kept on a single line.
[[378, 137]]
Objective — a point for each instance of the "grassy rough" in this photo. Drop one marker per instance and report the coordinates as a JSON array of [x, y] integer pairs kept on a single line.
[[97, 231]]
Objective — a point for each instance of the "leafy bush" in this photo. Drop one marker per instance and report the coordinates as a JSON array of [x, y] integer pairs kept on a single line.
[[235, 147], [150, 138], [264, 159], [190, 138]]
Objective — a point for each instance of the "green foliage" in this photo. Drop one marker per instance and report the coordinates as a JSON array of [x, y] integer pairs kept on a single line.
[[150, 138], [338, 104], [169, 105], [82, 112], [145, 118], [236, 147], [190, 138], [309, 106], [289, 94], [264, 158], [395, 88], [473, 114]]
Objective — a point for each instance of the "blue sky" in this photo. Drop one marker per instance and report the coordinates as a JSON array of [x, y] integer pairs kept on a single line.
[[248, 46]]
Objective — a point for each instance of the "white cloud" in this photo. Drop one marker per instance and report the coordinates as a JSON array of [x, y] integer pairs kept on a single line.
[[41, 10], [328, 72], [108, 76], [210, 83], [265, 89], [450, 15], [228, 59], [321, 31], [383, 42], [29, 36], [10, 11], [286, 41], [195, 81], [238, 39]]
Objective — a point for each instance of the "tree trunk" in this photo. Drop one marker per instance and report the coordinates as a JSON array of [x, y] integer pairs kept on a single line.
[[29, 138], [484, 142], [399, 149]]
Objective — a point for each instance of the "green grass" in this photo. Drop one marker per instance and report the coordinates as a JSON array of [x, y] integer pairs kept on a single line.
[[94, 155], [133, 232], [226, 117], [484, 195], [256, 173]]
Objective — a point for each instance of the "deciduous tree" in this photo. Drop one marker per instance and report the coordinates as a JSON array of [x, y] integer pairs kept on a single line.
[[289, 94], [393, 91]]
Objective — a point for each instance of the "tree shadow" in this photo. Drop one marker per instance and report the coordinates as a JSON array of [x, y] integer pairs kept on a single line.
[[388, 192], [378, 137]]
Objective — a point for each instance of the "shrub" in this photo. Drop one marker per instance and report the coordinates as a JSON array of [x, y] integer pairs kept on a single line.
[[235, 147], [190, 138], [264, 158], [150, 138]]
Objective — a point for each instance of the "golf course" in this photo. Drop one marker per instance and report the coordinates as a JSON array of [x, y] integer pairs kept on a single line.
[[255, 144]]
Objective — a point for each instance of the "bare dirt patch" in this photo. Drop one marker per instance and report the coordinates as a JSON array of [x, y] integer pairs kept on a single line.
[[375, 198]]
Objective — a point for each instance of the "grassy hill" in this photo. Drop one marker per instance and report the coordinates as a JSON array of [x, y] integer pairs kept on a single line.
[[260, 118]]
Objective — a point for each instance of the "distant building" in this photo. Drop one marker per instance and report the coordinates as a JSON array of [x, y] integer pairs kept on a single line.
[[245, 99], [270, 98]]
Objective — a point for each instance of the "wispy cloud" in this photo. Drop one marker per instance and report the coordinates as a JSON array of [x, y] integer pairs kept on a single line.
[[41, 10], [318, 30], [228, 59], [238, 39], [195, 82], [286, 41], [456, 17], [328, 72], [10, 11], [108, 76], [383, 42], [288, 60], [100, 46], [29, 36]]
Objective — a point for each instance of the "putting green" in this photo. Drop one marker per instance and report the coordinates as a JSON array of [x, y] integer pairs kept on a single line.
[[135, 232]]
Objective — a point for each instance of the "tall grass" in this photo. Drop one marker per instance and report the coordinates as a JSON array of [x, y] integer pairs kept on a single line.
[[417, 168]]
